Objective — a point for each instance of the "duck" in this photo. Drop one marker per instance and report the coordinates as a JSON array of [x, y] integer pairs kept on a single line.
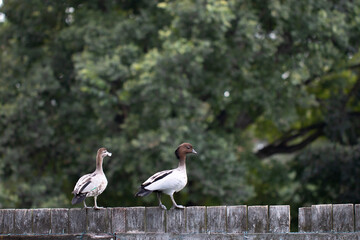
[[168, 181], [92, 184]]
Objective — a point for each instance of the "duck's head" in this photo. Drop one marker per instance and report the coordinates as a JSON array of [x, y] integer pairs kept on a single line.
[[102, 152], [184, 149]]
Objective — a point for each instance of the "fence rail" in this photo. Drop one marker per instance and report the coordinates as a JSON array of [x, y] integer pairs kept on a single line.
[[338, 221]]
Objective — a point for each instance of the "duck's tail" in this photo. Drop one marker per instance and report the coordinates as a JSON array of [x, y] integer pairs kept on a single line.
[[142, 192], [78, 198]]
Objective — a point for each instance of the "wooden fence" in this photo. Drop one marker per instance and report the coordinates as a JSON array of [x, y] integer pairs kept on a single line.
[[338, 221]]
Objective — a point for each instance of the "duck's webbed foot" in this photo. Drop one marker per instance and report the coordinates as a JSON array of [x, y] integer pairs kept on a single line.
[[96, 207], [162, 206], [177, 206], [174, 203]]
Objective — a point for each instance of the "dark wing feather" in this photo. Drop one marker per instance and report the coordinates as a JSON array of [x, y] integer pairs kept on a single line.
[[156, 177]]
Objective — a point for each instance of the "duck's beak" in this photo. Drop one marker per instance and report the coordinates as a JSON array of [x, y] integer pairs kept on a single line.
[[193, 151], [109, 154]]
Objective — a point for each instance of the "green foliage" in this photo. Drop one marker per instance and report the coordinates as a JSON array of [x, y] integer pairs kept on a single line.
[[141, 77], [328, 174]]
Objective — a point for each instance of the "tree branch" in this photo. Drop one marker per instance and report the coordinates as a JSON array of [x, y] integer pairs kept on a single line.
[[312, 78], [282, 145]]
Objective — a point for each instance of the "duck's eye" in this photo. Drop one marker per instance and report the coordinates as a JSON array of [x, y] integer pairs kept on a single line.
[[187, 147]]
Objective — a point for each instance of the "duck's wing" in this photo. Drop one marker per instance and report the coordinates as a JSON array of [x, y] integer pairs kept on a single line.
[[86, 184], [168, 179], [156, 177]]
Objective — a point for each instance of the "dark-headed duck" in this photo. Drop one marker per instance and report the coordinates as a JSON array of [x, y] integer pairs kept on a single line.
[[168, 181]]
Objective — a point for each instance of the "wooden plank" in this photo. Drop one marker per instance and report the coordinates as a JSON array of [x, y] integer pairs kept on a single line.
[[23, 221], [195, 220], [236, 219], [304, 219], [357, 217], [7, 220], [155, 220], [258, 219], [216, 219], [321, 218], [98, 220], [279, 219], [175, 221], [77, 220], [343, 217], [118, 220], [59, 220], [41, 221], [135, 219]]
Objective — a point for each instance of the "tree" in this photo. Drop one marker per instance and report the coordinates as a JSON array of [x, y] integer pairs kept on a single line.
[[141, 77]]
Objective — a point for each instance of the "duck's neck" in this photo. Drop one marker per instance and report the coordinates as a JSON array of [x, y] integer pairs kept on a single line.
[[99, 162], [182, 162]]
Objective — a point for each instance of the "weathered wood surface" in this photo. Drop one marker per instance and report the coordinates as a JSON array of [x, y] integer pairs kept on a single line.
[[23, 221], [41, 221], [98, 221], [321, 218], [258, 219], [279, 219], [77, 220], [155, 220], [198, 236], [195, 219], [357, 217], [343, 217], [135, 219], [118, 220], [235, 221], [59, 221], [7, 218], [304, 219], [216, 219], [175, 221]]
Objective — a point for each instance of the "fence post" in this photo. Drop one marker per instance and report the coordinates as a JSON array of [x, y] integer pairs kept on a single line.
[[195, 220], [7, 217], [279, 219], [304, 219], [41, 221], [321, 218], [135, 219], [343, 217], [357, 217], [216, 219], [98, 221], [236, 219], [118, 220], [258, 219], [175, 221], [59, 220], [155, 219], [23, 221], [77, 220]]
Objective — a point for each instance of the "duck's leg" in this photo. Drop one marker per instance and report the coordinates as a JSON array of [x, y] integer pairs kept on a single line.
[[85, 204], [174, 203], [96, 206], [160, 203]]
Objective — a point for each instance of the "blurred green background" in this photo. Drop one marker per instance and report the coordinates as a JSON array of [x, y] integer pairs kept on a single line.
[[267, 92]]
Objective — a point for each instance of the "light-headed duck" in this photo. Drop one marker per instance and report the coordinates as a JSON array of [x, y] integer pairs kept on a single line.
[[92, 184]]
